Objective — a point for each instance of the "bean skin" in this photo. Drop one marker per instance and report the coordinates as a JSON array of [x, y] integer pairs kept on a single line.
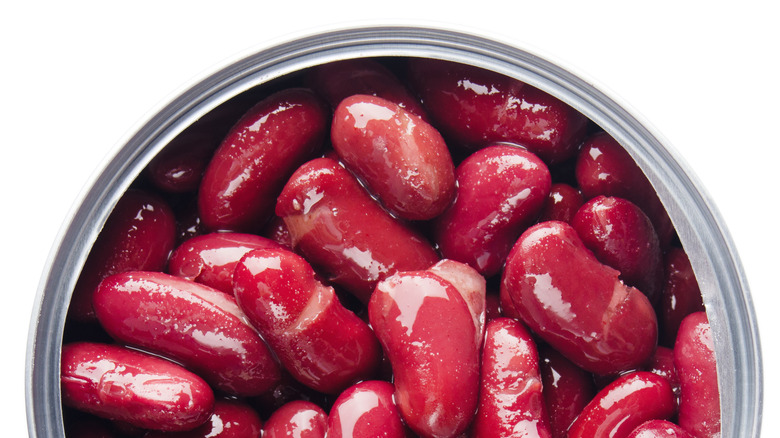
[[659, 429], [562, 204], [120, 384], [366, 410], [472, 288], [299, 419], [681, 295], [231, 419], [567, 389]]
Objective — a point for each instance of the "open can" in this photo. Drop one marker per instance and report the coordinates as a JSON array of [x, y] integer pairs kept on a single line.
[[699, 226]]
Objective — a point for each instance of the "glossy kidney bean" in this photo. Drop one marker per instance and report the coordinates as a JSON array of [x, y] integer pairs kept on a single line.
[[694, 360], [501, 190], [623, 405], [577, 304], [472, 288], [567, 389], [277, 231], [139, 234], [428, 335], [662, 363], [252, 163], [342, 231], [366, 410], [401, 158], [659, 429], [604, 167], [120, 384], [681, 295], [211, 258], [299, 419], [475, 107], [621, 236], [511, 403], [321, 343], [201, 327], [231, 419], [338, 80], [179, 167], [562, 203], [492, 306]]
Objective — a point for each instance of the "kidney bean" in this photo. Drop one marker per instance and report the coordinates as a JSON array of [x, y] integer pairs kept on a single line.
[[211, 258], [338, 80], [562, 203], [621, 236], [179, 167], [694, 360], [575, 303], [492, 306], [139, 234], [299, 419], [250, 167], [623, 405], [604, 167], [336, 225], [402, 159], [321, 343], [510, 397], [567, 389], [117, 383], [501, 190], [201, 327], [662, 363], [231, 419], [659, 429], [366, 410], [277, 231], [681, 295], [472, 288], [427, 333]]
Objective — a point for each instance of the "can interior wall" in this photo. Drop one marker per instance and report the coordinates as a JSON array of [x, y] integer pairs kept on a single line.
[[699, 226]]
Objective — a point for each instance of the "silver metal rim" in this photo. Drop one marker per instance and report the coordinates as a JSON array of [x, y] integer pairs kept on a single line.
[[696, 219]]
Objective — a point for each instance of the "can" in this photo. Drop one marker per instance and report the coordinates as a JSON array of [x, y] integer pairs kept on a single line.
[[699, 225]]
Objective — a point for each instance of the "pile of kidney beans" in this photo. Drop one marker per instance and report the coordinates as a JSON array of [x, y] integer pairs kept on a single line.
[[390, 247]]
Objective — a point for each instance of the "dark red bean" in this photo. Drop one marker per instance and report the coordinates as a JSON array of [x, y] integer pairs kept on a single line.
[[659, 429], [476, 107], [210, 259], [622, 236], [567, 389], [501, 190], [139, 234], [179, 167], [321, 343], [562, 203], [201, 327], [125, 385], [510, 398], [277, 231], [428, 335], [471, 286], [694, 360], [681, 294], [298, 419], [577, 304], [231, 419], [402, 159], [336, 225], [366, 410], [254, 160], [623, 405]]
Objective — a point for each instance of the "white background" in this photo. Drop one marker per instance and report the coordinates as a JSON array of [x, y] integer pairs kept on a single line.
[[77, 77]]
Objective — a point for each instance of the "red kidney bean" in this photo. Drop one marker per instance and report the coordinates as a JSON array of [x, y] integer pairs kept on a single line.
[[621, 236], [121, 384], [659, 429], [694, 360], [288, 389], [201, 327], [210, 259], [336, 225], [471, 286], [562, 203], [254, 160], [575, 303], [501, 190], [139, 234], [492, 306], [567, 389], [231, 419], [662, 363], [511, 403], [277, 231], [298, 419], [623, 405], [321, 343], [402, 159], [475, 107], [338, 80], [681, 294], [179, 167], [366, 410], [604, 167], [428, 335]]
